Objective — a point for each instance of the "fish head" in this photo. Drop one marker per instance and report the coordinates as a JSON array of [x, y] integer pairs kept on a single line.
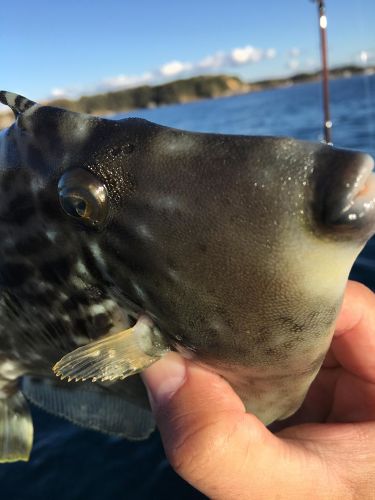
[[237, 247]]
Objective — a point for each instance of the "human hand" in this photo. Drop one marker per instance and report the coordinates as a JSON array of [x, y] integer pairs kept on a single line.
[[325, 451]]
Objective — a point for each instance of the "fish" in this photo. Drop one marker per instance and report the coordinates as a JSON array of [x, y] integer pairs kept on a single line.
[[121, 240]]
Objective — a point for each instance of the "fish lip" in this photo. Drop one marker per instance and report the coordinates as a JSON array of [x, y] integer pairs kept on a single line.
[[344, 195], [361, 197]]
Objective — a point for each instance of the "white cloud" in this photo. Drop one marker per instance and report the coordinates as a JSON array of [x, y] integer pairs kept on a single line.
[[220, 60], [124, 81], [236, 57], [58, 93], [65, 93], [214, 61], [295, 52], [365, 57], [271, 53], [175, 68], [311, 63], [293, 64], [245, 55]]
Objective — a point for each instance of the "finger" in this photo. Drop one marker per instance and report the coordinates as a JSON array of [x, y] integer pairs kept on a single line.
[[348, 450], [353, 344], [198, 416], [212, 442]]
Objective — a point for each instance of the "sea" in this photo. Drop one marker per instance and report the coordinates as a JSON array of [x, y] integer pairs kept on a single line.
[[70, 463]]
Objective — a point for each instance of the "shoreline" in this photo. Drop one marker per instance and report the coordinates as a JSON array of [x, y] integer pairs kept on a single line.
[[185, 91]]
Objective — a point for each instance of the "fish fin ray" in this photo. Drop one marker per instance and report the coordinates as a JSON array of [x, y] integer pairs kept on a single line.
[[16, 102], [91, 406], [114, 356], [16, 438]]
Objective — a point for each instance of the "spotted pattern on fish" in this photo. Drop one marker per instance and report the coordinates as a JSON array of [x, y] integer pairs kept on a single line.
[[50, 282], [238, 248]]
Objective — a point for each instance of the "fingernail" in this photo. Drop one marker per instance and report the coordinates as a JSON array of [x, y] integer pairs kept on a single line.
[[164, 378]]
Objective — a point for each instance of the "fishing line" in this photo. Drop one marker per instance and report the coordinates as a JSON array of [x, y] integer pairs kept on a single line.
[[327, 122], [368, 97]]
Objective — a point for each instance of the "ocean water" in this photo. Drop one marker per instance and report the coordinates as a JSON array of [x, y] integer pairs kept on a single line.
[[69, 463]]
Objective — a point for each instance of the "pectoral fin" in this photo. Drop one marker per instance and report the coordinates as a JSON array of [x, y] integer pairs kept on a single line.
[[115, 356], [91, 406], [16, 429]]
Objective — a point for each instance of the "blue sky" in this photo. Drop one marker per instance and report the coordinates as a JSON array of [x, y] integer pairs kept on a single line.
[[78, 46]]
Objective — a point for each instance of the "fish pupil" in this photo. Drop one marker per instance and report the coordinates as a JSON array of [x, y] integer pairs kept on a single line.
[[76, 207], [81, 208]]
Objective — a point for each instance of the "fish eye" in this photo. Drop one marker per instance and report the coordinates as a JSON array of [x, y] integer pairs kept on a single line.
[[83, 197]]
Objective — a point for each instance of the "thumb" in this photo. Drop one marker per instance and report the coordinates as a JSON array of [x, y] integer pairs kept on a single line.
[[208, 437]]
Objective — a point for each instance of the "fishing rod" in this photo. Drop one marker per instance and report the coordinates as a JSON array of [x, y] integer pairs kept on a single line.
[[327, 125]]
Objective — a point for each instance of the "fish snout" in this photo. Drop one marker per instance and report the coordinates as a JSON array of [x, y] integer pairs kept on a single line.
[[344, 195]]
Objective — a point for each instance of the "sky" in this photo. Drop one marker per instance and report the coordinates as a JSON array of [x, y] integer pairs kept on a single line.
[[74, 47]]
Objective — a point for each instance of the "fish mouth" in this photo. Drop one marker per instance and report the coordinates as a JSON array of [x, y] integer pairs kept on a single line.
[[345, 195], [361, 195]]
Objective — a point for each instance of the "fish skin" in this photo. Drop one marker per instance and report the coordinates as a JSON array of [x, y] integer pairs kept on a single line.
[[237, 247]]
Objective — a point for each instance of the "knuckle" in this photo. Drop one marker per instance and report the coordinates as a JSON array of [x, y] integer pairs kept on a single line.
[[197, 452]]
